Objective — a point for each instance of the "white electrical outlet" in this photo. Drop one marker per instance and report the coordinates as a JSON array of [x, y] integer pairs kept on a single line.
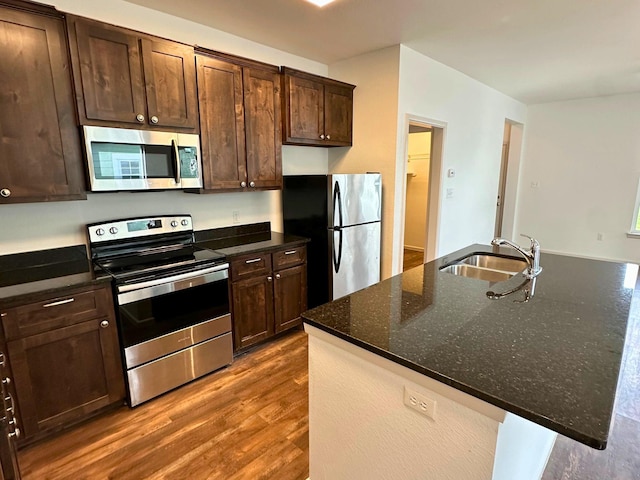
[[600, 237], [236, 216], [450, 192], [420, 403]]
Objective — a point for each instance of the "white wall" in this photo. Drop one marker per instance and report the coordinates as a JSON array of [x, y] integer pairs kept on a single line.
[[375, 101], [47, 225], [474, 115], [585, 157]]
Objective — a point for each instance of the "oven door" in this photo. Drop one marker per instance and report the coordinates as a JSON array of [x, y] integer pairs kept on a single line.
[[174, 329], [125, 159]]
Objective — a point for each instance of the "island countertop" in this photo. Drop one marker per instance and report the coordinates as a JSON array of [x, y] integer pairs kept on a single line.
[[553, 360]]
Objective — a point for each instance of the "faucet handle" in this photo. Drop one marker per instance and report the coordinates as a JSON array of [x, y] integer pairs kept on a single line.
[[534, 242]]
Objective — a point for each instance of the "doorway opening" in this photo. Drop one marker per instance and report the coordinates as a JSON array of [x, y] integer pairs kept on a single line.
[[502, 186], [422, 187]]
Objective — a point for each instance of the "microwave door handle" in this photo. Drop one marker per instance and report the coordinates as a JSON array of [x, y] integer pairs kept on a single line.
[[176, 154]]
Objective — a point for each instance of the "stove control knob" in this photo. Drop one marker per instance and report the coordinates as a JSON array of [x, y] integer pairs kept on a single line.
[[174, 224], [113, 230], [100, 232], [184, 222]]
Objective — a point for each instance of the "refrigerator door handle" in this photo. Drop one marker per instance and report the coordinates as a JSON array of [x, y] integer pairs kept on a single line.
[[337, 258], [337, 202]]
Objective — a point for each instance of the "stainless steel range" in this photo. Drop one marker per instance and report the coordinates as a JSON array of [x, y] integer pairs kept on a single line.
[[172, 301]]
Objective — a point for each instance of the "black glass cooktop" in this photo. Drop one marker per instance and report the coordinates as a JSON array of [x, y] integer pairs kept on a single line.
[[172, 259]]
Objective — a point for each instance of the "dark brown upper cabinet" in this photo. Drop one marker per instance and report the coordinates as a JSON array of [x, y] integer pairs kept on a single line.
[[128, 79], [40, 155], [239, 104], [318, 111]]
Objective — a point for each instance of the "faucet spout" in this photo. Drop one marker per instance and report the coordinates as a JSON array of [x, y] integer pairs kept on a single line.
[[532, 256]]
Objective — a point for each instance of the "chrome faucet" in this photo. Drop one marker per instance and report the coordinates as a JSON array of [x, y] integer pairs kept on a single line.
[[532, 256]]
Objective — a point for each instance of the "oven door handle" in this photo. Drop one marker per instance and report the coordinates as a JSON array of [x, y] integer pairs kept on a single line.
[[153, 288]]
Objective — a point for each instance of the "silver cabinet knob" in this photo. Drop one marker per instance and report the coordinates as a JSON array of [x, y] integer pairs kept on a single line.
[[15, 433], [252, 184], [277, 276], [269, 279], [5, 192], [174, 223], [100, 232], [328, 137], [6, 380], [104, 323], [113, 230], [154, 119], [140, 118], [243, 184], [322, 136], [184, 222]]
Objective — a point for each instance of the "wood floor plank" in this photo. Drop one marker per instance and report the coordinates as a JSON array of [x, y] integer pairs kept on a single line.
[[251, 415]]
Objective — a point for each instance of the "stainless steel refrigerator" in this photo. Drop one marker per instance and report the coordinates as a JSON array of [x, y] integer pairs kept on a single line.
[[341, 215]]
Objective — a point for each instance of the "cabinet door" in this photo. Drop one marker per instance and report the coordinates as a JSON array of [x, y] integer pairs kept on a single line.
[[304, 123], [252, 310], [63, 375], [290, 297], [262, 128], [111, 74], [221, 124], [170, 84], [338, 115], [40, 156]]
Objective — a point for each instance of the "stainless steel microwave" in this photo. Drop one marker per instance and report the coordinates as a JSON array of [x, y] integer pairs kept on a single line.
[[125, 159]]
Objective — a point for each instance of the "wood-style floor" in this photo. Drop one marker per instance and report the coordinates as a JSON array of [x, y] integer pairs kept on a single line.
[[248, 421], [411, 258]]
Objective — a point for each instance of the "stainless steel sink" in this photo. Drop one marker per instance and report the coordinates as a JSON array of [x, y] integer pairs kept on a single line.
[[494, 262], [488, 267]]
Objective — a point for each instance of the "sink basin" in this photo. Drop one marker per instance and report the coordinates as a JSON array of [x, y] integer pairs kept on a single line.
[[494, 262], [491, 268], [478, 273]]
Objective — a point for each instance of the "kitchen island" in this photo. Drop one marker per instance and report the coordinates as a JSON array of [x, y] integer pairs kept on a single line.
[[424, 376]]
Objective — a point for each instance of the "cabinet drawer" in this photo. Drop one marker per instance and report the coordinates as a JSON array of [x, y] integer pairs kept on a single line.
[[249, 265], [69, 308], [289, 257]]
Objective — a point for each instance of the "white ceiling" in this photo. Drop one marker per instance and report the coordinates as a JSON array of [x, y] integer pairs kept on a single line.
[[532, 50]]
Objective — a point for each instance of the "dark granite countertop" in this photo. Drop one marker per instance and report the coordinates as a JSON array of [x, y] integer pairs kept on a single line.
[[242, 241], [553, 360], [24, 275]]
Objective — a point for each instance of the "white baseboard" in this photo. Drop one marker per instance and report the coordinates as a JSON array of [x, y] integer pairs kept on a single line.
[[415, 249]]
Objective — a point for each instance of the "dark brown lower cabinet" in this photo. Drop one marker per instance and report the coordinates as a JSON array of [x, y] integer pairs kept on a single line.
[[68, 369], [269, 293]]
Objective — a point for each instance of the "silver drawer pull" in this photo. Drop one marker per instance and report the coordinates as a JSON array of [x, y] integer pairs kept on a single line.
[[60, 302], [3, 314], [253, 260], [290, 252], [104, 323]]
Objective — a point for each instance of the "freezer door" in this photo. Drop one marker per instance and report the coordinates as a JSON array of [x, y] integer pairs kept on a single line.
[[355, 199], [355, 259]]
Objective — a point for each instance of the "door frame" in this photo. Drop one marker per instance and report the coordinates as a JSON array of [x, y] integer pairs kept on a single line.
[[438, 137]]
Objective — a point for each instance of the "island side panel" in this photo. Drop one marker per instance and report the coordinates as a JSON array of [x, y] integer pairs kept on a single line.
[[359, 426], [523, 449]]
